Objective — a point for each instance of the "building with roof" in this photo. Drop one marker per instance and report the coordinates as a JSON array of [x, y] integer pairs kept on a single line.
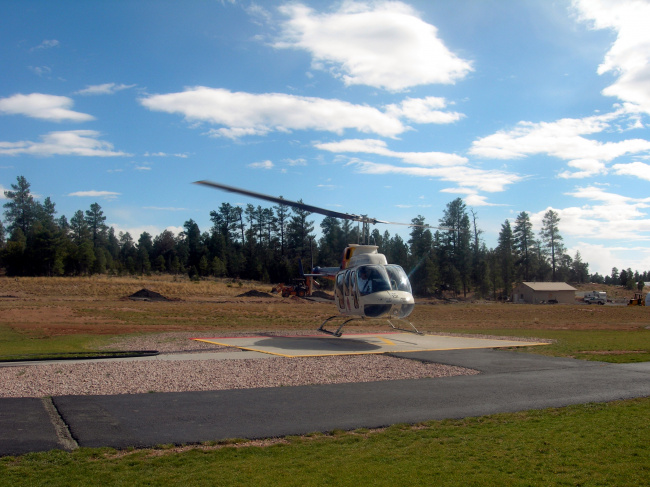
[[543, 292]]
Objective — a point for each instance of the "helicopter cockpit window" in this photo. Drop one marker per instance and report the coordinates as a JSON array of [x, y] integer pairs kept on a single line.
[[398, 279], [372, 279]]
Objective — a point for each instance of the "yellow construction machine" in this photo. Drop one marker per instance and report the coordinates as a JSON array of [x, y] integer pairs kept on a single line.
[[638, 300]]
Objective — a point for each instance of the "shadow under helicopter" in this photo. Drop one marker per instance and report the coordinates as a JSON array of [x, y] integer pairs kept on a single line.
[[319, 344]]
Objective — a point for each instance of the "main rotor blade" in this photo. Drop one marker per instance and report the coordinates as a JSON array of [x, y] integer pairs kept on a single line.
[[282, 201], [414, 225], [303, 206]]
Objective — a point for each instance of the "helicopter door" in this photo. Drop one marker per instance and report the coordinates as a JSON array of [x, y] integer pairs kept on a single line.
[[340, 291], [348, 307], [353, 290]]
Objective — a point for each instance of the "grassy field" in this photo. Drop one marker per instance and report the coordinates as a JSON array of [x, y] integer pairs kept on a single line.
[[593, 444], [51, 315], [588, 445]]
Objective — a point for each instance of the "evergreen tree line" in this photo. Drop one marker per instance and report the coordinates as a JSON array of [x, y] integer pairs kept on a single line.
[[266, 244]]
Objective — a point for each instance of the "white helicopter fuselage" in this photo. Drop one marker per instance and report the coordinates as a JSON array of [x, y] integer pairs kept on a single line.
[[369, 287]]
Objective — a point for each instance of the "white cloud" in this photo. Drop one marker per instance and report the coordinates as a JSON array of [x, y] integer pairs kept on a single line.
[[108, 195], [136, 231], [73, 142], [438, 165], [563, 139], [253, 114], [103, 89], [40, 70], [384, 44], [2, 192], [477, 200], [47, 44], [164, 154], [608, 216], [41, 106], [379, 147], [637, 169], [297, 162], [479, 179], [602, 258], [587, 168], [261, 165], [471, 197], [424, 110], [629, 56]]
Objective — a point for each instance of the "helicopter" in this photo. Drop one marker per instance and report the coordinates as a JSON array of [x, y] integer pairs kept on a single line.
[[365, 284]]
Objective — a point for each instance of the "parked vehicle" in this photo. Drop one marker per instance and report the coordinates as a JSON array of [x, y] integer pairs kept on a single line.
[[595, 297]]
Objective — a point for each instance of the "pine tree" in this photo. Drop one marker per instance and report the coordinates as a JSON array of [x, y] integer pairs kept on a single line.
[[95, 219], [455, 246], [2, 236], [20, 209], [422, 269], [550, 235], [331, 242], [145, 250], [79, 228], [299, 232], [579, 269], [506, 259], [194, 245], [282, 216], [523, 244], [45, 213]]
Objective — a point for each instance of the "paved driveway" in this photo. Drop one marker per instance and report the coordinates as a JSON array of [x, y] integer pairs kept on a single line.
[[510, 381]]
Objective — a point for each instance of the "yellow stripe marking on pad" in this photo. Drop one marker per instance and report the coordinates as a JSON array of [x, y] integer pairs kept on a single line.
[[386, 341]]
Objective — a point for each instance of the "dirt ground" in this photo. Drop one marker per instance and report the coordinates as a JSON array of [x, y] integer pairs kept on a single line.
[[43, 308]]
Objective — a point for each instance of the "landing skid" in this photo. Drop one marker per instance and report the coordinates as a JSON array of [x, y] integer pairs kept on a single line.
[[414, 330], [338, 333]]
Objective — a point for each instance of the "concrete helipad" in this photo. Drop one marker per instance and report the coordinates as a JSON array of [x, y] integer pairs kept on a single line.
[[355, 344]]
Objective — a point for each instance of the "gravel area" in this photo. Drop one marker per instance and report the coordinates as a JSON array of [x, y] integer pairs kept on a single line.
[[135, 377], [100, 378]]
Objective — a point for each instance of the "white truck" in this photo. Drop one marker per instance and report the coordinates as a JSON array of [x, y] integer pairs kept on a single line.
[[595, 297]]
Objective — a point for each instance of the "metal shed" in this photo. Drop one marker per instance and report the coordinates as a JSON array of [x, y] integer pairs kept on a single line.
[[544, 292]]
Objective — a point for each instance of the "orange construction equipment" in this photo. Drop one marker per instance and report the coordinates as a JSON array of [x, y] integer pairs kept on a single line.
[[637, 300], [298, 287]]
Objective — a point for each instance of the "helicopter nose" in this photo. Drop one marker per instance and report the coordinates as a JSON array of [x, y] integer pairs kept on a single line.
[[376, 310], [404, 310]]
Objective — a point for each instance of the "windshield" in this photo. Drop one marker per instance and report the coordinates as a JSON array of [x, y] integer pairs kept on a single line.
[[398, 279], [375, 278]]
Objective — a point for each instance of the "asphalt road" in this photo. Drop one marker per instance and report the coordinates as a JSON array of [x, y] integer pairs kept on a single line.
[[509, 382]]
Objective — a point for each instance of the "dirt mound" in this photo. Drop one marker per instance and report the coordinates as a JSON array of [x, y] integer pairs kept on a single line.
[[254, 294], [322, 295], [147, 295]]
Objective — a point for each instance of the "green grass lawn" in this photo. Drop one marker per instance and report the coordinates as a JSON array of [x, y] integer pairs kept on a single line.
[[13, 343], [590, 445], [614, 346]]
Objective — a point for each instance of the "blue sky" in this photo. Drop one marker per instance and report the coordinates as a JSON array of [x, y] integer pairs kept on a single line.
[[391, 109]]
